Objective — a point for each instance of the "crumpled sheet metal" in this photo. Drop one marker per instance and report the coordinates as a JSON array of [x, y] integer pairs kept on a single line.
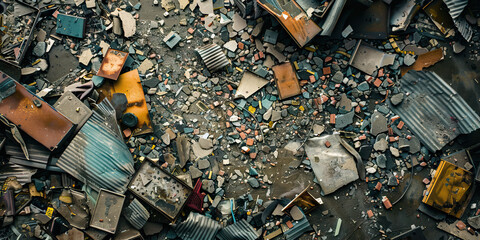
[[241, 230], [98, 156], [333, 15], [81, 218], [450, 190], [402, 14], [334, 167], [369, 59], [197, 226], [38, 154], [34, 116], [23, 174], [293, 19], [433, 111], [129, 83]]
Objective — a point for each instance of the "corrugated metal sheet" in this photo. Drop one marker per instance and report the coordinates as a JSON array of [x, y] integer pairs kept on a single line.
[[240, 230], [136, 214], [456, 7], [39, 155], [197, 226], [298, 229], [97, 155], [23, 174], [464, 28], [433, 111], [213, 57]]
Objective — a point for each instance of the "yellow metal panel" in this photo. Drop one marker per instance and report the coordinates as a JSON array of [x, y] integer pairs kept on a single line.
[[450, 189]]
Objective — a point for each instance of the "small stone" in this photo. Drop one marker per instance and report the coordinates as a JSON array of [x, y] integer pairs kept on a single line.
[[379, 124], [338, 77], [203, 164], [394, 152], [381, 161], [40, 49], [253, 183], [396, 99], [205, 143], [195, 172], [208, 185], [381, 145], [409, 60]]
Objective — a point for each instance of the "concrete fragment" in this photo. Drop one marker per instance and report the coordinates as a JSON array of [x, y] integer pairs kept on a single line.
[[85, 57], [238, 23], [379, 124], [128, 23]]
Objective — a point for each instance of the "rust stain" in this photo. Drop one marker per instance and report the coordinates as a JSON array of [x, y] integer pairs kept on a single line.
[[286, 80], [300, 28], [424, 60], [44, 124], [112, 64], [129, 83]]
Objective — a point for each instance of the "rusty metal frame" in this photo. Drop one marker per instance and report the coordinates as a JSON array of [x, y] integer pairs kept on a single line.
[[112, 64], [138, 179], [286, 80], [300, 28], [35, 117]]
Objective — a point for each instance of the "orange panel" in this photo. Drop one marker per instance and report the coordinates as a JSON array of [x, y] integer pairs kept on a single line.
[[129, 84]]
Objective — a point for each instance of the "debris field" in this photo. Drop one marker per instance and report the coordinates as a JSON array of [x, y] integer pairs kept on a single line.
[[239, 119]]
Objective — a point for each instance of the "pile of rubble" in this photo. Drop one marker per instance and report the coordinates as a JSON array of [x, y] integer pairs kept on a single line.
[[240, 119]]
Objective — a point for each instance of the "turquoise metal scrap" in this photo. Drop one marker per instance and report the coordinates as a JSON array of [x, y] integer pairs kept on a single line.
[[97, 155], [71, 25]]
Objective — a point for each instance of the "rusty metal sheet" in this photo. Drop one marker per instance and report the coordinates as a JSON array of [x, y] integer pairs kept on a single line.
[[35, 117], [424, 60], [107, 211], [293, 19], [286, 80], [450, 190], [129, 83], [112, 64], [161, 190]]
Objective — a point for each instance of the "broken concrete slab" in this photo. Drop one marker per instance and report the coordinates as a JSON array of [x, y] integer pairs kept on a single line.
[[334, 167], [129, 24]]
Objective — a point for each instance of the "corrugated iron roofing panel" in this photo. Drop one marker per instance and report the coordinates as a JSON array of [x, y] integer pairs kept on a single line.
[[433, 111], [197, 226], [213, 57], [464, 28], [240, 230], [97, 156], [23, 174], [299, 228], [456, 7], [38, 154], [136, 214]]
